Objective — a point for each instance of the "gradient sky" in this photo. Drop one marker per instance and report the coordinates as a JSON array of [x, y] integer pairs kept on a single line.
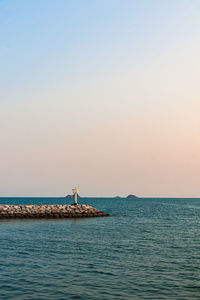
[[100, 93]]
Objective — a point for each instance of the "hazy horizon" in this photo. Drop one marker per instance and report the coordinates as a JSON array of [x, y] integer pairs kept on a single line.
[[104, 94]]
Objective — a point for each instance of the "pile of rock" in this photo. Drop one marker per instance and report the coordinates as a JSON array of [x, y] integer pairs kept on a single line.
[[49, 211]]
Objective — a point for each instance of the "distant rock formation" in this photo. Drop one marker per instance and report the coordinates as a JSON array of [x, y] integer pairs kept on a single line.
[[128, 197], [131, 196], [72, 196]]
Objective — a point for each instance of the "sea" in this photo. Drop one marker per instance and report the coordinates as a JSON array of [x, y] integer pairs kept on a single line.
[[149, 248]]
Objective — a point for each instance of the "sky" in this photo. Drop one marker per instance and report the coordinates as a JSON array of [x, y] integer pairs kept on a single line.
[[100, 93]]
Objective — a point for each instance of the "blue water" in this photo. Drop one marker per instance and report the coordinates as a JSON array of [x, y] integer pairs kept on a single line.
[[147, 249]]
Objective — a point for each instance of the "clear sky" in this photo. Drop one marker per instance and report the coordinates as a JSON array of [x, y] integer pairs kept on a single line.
[[100, 93]]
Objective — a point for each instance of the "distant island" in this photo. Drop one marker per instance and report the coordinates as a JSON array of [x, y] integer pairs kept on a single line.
[[72, 196], [131, 196], [128, 197], [116, 197]]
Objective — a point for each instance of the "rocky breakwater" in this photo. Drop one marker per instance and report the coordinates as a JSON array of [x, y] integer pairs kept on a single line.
[[49, 211]]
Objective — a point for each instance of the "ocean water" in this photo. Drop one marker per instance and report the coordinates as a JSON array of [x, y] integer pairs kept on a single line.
[[148, 249]]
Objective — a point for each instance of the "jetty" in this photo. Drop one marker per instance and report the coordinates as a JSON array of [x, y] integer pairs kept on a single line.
[[49, 211], [74, 210]]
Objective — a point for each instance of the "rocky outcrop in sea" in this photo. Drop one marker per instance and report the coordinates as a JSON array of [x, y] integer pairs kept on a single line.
[[131, 196], [72, 196]]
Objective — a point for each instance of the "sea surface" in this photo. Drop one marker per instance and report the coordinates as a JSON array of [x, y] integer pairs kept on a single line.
[[148, 249]]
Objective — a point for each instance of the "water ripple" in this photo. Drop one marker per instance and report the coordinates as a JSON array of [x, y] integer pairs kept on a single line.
[[148, 249]]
